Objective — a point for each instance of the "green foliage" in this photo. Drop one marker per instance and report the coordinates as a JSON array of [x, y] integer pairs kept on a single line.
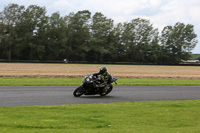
[[29, 34], [138, 37], [78, 35], [195, 57], [128, 117], [177, 42], [9, 19], [100, 43]]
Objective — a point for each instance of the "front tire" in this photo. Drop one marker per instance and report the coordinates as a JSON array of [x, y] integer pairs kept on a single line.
[[78, 91]]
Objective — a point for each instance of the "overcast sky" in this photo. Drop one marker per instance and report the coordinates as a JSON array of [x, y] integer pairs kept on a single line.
[[160, 12]]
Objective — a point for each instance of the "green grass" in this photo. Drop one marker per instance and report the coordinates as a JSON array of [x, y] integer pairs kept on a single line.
[[125, 117], [5, 81], [38, 81], [159, 81]]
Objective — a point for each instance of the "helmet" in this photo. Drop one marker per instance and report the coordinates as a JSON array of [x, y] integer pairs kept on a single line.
[[103, 69]]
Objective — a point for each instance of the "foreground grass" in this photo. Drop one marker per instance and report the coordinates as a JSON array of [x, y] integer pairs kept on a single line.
[[76, 81], [126, 117]]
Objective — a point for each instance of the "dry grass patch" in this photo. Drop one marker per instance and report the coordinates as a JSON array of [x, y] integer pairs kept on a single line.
[[80, 70]]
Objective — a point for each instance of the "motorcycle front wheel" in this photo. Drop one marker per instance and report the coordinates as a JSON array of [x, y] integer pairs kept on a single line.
[[78, 91]]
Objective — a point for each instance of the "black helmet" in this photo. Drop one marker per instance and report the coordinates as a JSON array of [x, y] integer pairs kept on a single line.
[[103, 69]]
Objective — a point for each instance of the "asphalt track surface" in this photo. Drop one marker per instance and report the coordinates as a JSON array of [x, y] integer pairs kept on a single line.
[[58, 95]]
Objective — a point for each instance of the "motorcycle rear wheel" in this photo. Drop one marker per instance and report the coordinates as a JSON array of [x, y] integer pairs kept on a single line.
[[108, 90], [78, 91]]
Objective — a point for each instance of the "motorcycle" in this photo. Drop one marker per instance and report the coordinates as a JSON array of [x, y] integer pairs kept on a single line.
[[89, 86]]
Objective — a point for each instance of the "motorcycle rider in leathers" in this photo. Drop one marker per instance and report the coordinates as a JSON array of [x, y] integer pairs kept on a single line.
[[106, 79]]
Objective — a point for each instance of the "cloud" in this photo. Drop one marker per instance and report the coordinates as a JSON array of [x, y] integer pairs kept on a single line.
[[61, 6], [179, 11], [195, 13], [155, 3]]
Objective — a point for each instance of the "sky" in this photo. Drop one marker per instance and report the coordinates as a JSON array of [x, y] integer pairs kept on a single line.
[[161, 13]]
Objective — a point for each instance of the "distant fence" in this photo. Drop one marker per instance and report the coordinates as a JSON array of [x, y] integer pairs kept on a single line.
[[85, 62], [29, 61]]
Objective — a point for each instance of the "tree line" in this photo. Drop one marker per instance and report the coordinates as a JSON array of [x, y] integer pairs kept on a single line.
[[30, 34]]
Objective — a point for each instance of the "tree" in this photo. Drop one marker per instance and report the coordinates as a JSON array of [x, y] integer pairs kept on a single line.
[[138, 36], [9, 18], [177, 42], [29, 34], [32, 33], [37, 23], [101, 39], [56, 47], [78, 33], [118, 43]]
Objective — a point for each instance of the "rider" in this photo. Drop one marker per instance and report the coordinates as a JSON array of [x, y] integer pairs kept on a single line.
[[105, 78]]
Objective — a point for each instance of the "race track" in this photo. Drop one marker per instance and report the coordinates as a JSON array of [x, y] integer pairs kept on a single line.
[[57, 95]]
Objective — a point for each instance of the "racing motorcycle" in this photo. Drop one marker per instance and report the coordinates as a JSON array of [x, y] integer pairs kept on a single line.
[[89, 86]]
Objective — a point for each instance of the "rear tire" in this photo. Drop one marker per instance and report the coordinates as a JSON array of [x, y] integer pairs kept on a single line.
[[78, 91], [107, 91]]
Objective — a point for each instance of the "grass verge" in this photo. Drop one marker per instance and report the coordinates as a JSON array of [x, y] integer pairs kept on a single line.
[[127, 117], [6, 81]]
